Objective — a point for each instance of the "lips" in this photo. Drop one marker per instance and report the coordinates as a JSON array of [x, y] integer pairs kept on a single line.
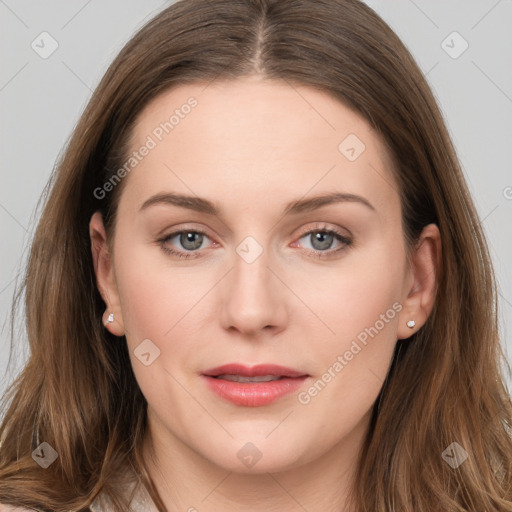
[[253, 386]]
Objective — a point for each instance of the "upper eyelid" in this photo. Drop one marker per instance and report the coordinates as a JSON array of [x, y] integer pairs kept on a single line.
[[325, 227]]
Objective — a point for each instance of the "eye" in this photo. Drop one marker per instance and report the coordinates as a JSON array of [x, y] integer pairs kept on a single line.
[[190, 240], [322, 239]]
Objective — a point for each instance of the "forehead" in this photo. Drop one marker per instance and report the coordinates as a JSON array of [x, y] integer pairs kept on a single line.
[[264, 136]]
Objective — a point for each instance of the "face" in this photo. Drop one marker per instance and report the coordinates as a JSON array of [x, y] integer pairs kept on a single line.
[[251, 270]]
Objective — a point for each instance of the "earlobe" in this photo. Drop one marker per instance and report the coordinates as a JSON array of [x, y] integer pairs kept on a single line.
[[104, 271], [420, 294]]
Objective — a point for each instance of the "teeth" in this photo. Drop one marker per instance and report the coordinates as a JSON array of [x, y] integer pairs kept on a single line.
[[241, 378]]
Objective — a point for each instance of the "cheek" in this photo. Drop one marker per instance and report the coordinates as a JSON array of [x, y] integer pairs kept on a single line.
[[154, 295], [353, 296], [160, 304], [170, 306], [358, 306]]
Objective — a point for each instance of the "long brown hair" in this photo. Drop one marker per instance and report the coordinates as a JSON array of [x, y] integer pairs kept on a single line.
[[78, 392]]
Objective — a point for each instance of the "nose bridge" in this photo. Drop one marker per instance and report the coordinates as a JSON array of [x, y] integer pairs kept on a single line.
[[253, 299]]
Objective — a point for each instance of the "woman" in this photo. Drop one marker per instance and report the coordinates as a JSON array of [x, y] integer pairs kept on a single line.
[[260, 283]]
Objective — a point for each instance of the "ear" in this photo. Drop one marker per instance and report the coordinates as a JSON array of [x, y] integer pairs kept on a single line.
[[105, 277], [421, 283]]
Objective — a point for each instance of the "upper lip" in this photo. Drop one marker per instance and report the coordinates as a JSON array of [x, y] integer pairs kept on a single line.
[[253, 371]]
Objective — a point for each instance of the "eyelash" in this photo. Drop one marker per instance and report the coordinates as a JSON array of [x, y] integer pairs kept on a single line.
[[319, 254]]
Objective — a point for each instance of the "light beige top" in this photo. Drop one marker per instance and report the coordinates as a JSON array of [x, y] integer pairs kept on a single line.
[[141, 502]]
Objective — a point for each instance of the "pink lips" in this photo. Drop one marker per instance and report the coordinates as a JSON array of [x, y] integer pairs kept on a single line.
[[253, 394]]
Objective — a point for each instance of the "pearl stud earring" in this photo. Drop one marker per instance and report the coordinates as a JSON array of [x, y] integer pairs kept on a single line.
[[411, 324]]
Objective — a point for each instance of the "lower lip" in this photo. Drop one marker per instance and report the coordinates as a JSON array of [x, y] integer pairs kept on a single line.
[[253, 394]]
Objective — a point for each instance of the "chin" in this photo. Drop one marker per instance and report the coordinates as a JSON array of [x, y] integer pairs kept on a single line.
[[257, 456]]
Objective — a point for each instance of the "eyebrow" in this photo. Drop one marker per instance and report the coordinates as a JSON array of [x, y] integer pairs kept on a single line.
[[202, 205]]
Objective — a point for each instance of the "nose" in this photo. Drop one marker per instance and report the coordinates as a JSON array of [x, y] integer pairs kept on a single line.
[[254, 299]]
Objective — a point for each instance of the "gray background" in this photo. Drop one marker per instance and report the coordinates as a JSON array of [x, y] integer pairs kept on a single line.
[[41, 100]]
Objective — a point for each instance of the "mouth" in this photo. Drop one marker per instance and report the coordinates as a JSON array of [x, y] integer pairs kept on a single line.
[[253, 386]]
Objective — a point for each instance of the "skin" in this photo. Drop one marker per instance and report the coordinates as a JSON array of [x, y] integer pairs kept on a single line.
[[252, 146]]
